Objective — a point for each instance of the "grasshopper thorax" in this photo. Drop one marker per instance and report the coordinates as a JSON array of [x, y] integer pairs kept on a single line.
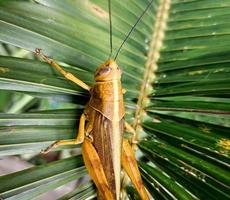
[[108, 71]]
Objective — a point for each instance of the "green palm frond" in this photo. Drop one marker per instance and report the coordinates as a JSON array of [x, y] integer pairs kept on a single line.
[[176, 73]]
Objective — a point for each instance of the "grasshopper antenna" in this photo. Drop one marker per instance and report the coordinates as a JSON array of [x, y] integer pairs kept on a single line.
[[126, 38], [110, 29]]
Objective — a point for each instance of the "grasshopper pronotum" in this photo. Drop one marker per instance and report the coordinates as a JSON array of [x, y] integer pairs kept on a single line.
[[101, 128]]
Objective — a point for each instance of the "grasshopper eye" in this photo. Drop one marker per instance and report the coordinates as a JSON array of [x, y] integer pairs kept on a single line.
[[104, 70]]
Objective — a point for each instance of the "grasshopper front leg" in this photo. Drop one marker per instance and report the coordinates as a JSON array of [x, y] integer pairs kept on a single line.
[[78, 140], [67, 75]]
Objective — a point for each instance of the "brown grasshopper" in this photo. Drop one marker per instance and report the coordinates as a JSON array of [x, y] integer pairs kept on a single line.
[[101, 130]]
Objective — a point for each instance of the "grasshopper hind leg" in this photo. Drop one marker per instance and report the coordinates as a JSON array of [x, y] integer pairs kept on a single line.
[[95, 169], [130, 166]]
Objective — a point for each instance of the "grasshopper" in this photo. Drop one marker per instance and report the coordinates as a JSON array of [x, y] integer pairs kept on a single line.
[[101, 129]]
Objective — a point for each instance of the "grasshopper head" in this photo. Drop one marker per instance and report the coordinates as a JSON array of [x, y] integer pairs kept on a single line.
[[108, 71]]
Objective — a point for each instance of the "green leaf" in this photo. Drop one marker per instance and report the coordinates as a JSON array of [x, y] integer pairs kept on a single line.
[[82, 192], [22, 184], [175, 70], [168, 183]]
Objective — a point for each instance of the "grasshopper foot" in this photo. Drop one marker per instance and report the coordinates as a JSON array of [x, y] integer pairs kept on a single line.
[[37, 51]]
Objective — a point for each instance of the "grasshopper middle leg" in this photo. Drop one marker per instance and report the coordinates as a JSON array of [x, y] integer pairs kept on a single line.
[[131, 130], [78, 140]]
